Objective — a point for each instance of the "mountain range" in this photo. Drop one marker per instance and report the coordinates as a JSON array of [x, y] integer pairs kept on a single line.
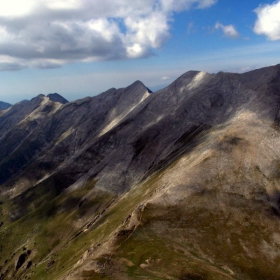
[[182, 183]]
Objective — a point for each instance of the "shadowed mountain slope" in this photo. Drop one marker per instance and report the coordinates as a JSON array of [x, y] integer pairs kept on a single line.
[[179, 184], [4, 105], [55, 97]]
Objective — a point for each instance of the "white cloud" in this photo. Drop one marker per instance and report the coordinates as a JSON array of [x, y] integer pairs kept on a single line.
[[13, 8], [49, 33], [268, 22], [165, 78], [228, 30], [62, 4], [180, 5]]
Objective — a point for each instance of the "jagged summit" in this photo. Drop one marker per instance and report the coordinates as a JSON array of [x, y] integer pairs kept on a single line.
[[140, 84], [57, 98]]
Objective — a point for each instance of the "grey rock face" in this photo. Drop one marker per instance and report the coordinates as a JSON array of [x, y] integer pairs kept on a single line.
[[63, 133], [17, 124], [129, 127]]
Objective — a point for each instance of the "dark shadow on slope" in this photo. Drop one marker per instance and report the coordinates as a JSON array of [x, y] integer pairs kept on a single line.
[[39, 195], [188, 116]]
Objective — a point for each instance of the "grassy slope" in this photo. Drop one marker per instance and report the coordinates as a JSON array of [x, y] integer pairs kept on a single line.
[[47, 229], [174, 242]]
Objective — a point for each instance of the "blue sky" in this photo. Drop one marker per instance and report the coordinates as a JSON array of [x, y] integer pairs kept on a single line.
[[80, 48]]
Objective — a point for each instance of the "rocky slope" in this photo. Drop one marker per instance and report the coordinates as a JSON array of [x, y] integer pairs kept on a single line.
[[178, 184]]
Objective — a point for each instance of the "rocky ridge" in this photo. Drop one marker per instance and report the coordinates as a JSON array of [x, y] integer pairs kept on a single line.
[[182, 183]]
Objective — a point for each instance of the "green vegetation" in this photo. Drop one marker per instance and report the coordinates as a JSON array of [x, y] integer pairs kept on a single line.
[[211, 234]]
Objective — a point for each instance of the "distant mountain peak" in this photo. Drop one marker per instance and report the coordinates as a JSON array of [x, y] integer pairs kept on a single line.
[[138, 84], [4, 105], [55, 97]]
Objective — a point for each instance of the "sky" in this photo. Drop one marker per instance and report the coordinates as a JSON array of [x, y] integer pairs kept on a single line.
[[81, 48]]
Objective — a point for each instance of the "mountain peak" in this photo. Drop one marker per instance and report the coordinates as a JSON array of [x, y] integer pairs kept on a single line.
[[138, 84], [55, 97], [4, 105]]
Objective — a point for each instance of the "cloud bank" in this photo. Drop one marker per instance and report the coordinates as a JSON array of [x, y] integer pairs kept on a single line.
[[49, 33], [268, 22]]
